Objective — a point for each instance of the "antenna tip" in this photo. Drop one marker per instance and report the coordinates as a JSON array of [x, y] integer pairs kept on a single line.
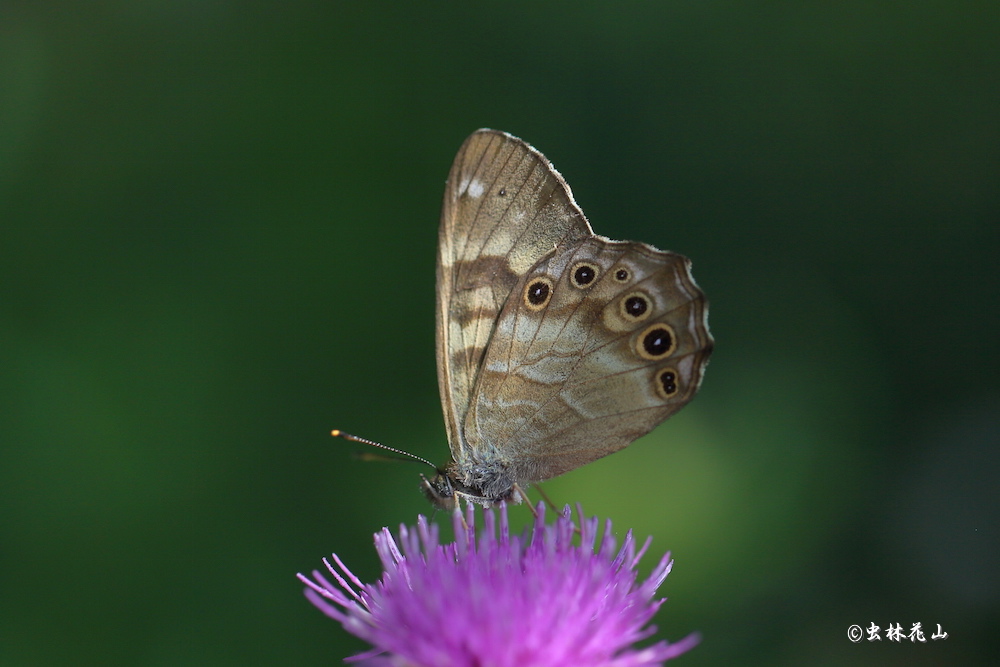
[[335, 432]]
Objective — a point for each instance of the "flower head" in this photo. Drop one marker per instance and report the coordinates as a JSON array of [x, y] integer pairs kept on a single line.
[[532, 600]]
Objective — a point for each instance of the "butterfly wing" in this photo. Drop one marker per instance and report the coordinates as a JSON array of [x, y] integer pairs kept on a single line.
[[616, 344], [505, 208]]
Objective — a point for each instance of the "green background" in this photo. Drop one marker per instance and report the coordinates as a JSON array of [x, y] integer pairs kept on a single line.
[[217, 234]]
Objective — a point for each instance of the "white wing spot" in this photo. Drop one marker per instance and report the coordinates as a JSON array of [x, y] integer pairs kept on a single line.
[[475, 188]]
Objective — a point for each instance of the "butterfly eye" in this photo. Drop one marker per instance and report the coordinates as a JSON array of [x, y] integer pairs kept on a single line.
[[538, 293], [622, 275], [584, 273], [666, 383], [635, 307], [657, 341]]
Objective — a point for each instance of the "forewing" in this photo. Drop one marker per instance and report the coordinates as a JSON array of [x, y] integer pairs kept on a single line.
[[505, 208]]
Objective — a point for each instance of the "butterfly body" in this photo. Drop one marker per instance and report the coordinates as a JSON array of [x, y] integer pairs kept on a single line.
[[555, 346]]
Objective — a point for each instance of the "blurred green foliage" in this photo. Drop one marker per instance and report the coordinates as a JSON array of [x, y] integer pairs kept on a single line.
[[217, 236]]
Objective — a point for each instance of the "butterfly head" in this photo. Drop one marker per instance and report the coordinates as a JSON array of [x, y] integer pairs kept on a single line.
[[448, 485], [440, 491]]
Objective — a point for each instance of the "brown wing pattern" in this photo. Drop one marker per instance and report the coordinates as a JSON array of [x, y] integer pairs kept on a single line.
[[505, 208], [593, 368]]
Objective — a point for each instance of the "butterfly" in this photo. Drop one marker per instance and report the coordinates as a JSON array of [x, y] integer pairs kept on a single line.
[[555, 346]]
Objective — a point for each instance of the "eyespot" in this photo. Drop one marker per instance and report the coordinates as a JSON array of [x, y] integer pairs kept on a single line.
[[657, 341], [538, 293], [622, 274], [666, 382], [583, 274], [635, 307], [503, 192]]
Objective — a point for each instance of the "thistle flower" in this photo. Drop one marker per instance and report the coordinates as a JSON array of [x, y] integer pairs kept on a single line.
[[531, 600]]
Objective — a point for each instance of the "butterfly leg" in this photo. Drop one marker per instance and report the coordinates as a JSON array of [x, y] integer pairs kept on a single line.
[[545, 497], [522, 495], [548, 501]]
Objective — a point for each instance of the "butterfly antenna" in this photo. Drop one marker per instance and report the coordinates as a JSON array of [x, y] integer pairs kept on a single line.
[[337, 433]]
